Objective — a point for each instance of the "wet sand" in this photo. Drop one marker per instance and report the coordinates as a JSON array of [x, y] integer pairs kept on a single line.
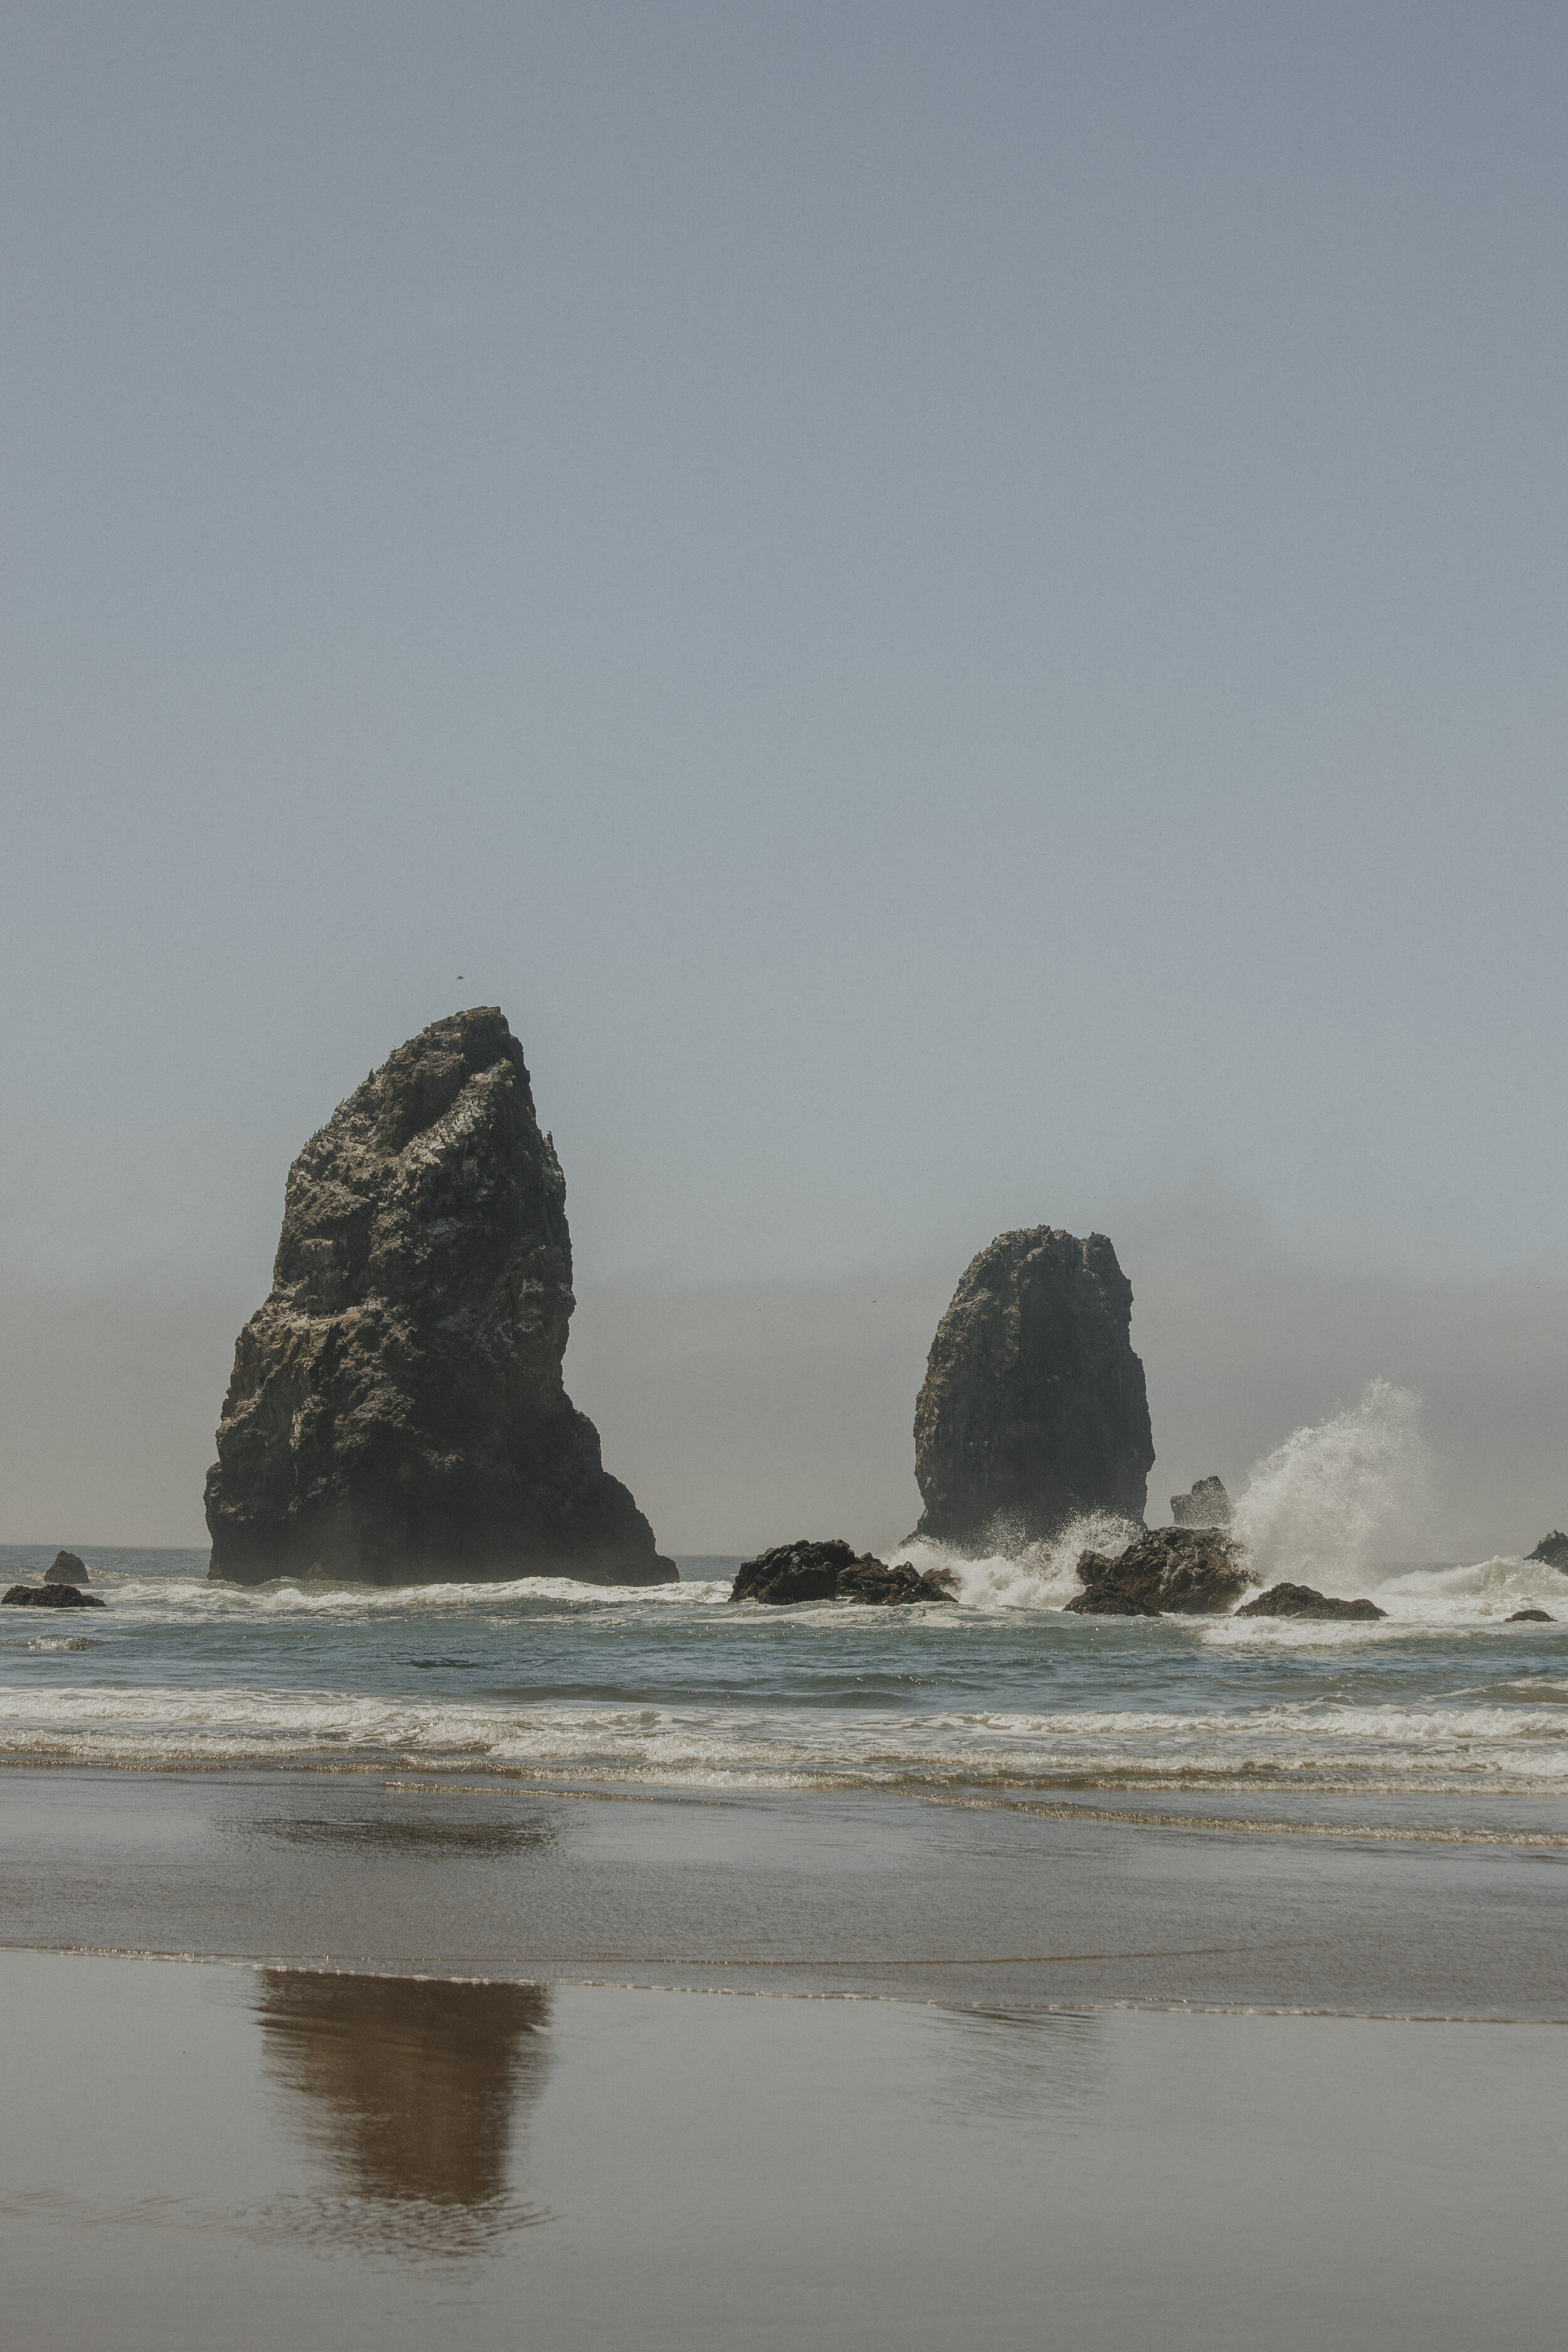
[[201, 2155], [1385, 1907], [444, 2062]]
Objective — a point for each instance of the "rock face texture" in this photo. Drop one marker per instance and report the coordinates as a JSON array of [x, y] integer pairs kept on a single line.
[[396, 1412], [1034, 1407], [1301, 1600], [832, 1572], [67, 1568], [1179, 1571], [1206, 1505], [48, 1596], [1529, 1617], [1553, 1550]]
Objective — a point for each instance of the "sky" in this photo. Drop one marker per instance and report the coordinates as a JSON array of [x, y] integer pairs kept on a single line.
[[958, 610]]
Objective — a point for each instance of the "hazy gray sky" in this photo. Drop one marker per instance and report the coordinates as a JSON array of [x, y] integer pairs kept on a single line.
[[958, 610]]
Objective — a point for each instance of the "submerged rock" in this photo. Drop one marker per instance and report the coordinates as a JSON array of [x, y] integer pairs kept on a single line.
[[1553, 1550], [1184, 1571], [396, 1412], [1531, 1617], [67, 1568], [49, 1596], [832, 1572], [1034, 1407], [1206, 1505], [1301, 1600]]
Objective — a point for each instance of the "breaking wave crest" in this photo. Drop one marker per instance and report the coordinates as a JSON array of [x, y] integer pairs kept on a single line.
[[1015, 1571], [1512, 1737]]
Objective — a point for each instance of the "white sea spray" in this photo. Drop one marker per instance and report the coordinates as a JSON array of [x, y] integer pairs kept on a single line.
[[1016, 1572], [1341, 1494]]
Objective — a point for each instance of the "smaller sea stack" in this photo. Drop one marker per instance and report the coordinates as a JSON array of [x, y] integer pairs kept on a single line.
[[1034, 1407], [1206, 1505]]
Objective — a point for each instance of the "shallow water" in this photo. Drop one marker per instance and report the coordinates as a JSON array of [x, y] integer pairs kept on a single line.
[[675, 1686]]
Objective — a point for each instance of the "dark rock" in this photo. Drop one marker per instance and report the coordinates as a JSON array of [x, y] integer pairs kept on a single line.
[[67, 1568], [1206, 1505], [48, 1596], [1034, 1407], [1184, 1571], [832, 1572], [1104, 1596], [1301, 1600], [1531, 1617], [1553, 1550], [396, 1412]]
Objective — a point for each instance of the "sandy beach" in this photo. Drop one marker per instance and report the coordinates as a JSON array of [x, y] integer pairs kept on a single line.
[[609, 2068], [200, 2153]]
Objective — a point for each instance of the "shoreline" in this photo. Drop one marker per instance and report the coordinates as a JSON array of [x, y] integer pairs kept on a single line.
[[867, 1894]]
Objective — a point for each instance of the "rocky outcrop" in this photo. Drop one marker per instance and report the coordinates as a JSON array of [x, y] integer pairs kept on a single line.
[[1034, 1407], [396, 1412], [1179, 1571], [1553, 1550], [1301, 1600], [48, 1596], [67, 1568], [1206, 1505], [832, 1571], [1531, 1617]]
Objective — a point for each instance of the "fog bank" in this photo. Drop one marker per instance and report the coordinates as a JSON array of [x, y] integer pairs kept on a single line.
[[742, 1413]]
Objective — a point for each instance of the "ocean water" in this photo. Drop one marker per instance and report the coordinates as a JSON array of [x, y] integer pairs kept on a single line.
[[678, 1686]]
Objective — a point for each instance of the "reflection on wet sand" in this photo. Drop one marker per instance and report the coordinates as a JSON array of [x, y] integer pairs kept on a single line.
[[1029, 2066], [408, 2088], [400, 1834]]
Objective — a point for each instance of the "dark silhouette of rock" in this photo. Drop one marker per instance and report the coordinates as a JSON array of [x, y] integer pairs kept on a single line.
[[1532, 1617], [1553, 1550], [1034, 1407], [1301, 1600], [832, 1572], [48, 1596], [67, 1568], [396, 1412], [1181, 1571], [1206, 1505]]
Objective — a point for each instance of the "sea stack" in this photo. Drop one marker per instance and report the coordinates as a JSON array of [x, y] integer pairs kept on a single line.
[[397, 1413], [1034, 1407], [1205, 1504], [66, 1567]]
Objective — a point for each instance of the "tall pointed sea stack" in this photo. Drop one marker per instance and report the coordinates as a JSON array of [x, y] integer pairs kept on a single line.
[[1034, 1407], [397, 1411]]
